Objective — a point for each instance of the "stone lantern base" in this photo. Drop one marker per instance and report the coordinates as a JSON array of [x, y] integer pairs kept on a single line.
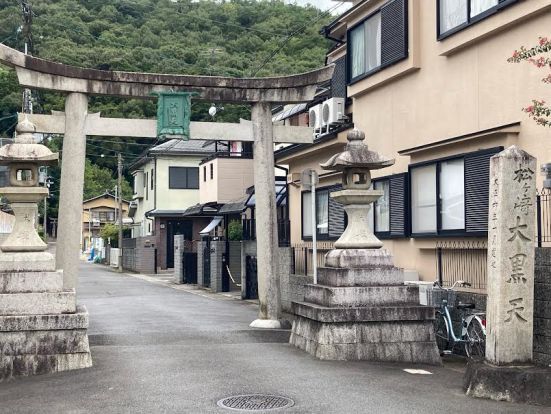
[[41, 328], [361, 310]]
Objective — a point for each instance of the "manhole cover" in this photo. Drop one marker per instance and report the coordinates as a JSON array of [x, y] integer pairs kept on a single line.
[[256, 402]]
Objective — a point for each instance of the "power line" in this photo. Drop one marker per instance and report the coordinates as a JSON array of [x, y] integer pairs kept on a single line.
[[296, 32]]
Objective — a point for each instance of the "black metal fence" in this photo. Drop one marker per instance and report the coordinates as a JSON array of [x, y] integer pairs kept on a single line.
[[543, 217], [283, 231], [462, 260]]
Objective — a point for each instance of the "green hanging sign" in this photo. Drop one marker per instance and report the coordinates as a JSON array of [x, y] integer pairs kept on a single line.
[[174, 114]]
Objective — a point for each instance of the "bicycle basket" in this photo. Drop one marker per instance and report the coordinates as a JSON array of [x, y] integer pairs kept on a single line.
[[437, 295]]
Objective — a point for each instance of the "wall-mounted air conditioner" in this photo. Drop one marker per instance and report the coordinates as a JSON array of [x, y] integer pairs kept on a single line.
[[332, 111], [314, 117], [293, 178]]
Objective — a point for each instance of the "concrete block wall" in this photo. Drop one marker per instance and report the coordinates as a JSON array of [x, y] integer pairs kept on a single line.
[[178, 256], [217, 249]]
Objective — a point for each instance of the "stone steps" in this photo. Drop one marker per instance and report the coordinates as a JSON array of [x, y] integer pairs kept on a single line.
[[25, 365], [406, 312], [43, 303], [369, 276], [31, 282], [405, 352], [359, 296]]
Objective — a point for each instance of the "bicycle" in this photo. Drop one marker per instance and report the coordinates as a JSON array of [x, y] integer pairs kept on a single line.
[[473, 324]]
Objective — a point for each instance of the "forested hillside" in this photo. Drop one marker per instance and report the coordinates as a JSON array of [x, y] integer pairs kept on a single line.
[[239, 38]]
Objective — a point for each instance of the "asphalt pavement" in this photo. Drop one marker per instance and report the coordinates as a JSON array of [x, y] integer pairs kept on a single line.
[[161, 350]]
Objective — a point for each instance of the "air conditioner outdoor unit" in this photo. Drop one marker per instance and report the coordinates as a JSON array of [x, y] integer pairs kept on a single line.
[[314, 116], [293, 178], [332, 111]]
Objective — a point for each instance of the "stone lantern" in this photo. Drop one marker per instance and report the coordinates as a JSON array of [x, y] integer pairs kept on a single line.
[[361, 309], [42, 329], [356, 163], [23, 159]]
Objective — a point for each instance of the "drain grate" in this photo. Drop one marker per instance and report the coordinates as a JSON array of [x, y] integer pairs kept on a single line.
[[256, 402]]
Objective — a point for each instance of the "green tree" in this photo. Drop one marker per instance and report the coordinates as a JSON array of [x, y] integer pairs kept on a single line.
[[98, 180]]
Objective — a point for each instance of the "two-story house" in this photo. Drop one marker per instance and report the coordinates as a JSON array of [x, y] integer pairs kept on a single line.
[[429, 83], [166, 183], [96, 213]]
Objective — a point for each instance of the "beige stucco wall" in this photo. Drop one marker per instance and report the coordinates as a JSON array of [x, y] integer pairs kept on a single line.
[[165, 198], [445, 89], [231, 177]]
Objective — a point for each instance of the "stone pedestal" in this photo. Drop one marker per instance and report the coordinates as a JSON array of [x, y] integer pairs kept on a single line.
[[41, 328], [361, 310]]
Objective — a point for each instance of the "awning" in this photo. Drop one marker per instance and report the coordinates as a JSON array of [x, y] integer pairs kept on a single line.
[[281, 195], [215, 222]]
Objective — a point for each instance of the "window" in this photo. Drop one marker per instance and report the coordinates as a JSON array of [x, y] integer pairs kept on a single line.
[[145, 185], [152, 178], [423, 199], [378, 41], [322, 213], [183, 177], [438, 197], [454, 15], [211, 171], [382, 207], [388, 216], [205, 173], [450, 196]]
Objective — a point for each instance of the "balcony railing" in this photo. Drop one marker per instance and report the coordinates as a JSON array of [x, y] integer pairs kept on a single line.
[[283, 231]]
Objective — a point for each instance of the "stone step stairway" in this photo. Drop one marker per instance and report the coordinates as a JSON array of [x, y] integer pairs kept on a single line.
[[42, 330], [363, 311]]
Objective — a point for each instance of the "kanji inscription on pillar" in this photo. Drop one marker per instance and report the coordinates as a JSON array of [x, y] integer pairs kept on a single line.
[[511, 233]]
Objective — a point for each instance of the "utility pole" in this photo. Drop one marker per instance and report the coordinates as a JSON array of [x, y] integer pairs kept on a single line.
[[119, 193], [27, 14]]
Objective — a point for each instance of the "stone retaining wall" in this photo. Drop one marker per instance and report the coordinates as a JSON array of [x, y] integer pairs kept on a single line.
[[542, 306]]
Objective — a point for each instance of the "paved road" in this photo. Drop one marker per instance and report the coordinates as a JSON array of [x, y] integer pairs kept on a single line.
[[161, 350]]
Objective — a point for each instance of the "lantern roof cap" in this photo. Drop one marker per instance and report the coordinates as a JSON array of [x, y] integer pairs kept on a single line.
[[357, 155], [25, 149]]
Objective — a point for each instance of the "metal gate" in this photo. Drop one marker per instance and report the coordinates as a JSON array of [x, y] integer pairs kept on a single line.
[[189, 262], [251, 278], [206, 262]]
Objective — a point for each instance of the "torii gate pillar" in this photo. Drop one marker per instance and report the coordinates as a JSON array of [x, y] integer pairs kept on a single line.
[[72, 186], [266, 229]]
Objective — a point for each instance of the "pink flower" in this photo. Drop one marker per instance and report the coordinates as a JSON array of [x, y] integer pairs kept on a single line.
[[543, 40], [529, 109]]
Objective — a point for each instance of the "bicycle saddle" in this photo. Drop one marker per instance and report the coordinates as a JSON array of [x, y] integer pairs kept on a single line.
[[465, 306]]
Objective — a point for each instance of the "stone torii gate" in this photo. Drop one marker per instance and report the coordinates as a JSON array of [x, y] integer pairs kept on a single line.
[[78, 83]]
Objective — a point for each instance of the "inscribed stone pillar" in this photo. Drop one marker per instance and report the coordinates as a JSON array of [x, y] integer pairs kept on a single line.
[[266, 218], [511, 232], [72, 185]]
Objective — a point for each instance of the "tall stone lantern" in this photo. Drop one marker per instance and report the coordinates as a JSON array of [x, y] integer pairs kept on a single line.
[[361, 309], [23, 159], [42, 329]]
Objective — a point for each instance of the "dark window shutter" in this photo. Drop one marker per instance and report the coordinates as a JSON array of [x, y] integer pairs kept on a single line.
[[398, 205], [477, 182], [336, 216], [338, 82], [394, 32]]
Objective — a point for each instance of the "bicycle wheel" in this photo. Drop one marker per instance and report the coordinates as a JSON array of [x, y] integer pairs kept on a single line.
[[441, 330], [475, 340]]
